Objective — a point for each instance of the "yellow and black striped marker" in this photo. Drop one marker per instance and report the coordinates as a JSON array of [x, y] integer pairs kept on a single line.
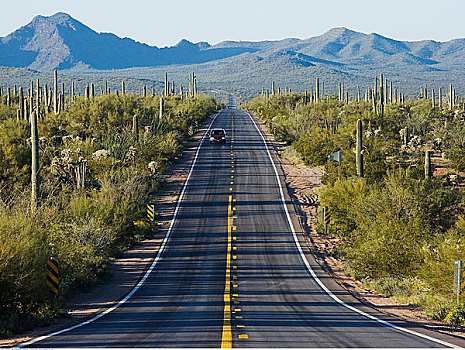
[[150, 211], [52, 276], [327, 216], [191, 130]]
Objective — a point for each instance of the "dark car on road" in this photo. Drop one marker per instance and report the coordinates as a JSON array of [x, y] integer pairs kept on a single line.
[[217, 135]]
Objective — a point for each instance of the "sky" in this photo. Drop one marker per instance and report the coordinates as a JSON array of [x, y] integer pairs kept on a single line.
[[164, 23]]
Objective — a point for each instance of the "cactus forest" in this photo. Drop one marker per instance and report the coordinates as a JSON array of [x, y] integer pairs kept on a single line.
[[396, 199], [77, 168]]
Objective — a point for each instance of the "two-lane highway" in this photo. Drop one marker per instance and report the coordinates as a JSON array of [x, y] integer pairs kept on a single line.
[[231, 273]]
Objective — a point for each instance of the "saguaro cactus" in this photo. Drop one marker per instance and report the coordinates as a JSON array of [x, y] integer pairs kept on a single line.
[[26, 108], [162, 105], [35, 163], [45, 98], [406, 136], [451, 97], [21, 103], [122, 88], [135, 127], [317, 89], [38, 99], [55, 93], [428, 169], [381, 99], [440, 98], [92, 90], [272, 88], [358, 150], [195, 84], [390, 92], [373, 97], [167, 85]]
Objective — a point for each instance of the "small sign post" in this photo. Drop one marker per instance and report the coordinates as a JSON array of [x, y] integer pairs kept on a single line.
[[326, 218], [151, 212], [458, 278], [337, 156], [53, 281]]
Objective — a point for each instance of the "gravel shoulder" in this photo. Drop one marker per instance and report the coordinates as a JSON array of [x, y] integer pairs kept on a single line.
[[301, 182], [125, 271]]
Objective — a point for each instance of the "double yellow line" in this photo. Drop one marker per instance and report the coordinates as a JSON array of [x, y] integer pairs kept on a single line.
[[226, 339]]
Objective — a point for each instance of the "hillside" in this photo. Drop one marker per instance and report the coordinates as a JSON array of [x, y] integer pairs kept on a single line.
[[61, 42], [242, 67]]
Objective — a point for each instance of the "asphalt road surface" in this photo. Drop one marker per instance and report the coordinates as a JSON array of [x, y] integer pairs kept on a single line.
[[231, 273]]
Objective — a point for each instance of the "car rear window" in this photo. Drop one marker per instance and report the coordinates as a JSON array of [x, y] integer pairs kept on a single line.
[[217, 132]]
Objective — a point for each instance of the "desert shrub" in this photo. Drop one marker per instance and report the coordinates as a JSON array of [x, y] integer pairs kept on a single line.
[[394, 226], [85, 228], [23, 254]]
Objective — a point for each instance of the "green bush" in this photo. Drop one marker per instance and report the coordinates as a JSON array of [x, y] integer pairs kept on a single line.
[[456, 315], [84, 227], [394, 226]]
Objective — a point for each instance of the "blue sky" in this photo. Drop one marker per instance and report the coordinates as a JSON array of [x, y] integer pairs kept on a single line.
[[164, 23]]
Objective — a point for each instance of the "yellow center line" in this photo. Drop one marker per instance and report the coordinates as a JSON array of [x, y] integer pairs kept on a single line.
[[226, 339]]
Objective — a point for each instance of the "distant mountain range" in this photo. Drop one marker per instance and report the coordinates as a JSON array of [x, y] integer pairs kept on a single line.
[[63, 43]]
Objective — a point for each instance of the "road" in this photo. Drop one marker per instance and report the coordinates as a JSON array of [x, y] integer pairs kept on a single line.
[[231, 273]]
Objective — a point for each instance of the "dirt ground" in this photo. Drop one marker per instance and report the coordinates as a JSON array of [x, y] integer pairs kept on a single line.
[[301, 183]]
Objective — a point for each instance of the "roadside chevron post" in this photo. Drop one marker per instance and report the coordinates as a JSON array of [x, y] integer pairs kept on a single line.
[[326, 217], [53, 281], [150, 212]]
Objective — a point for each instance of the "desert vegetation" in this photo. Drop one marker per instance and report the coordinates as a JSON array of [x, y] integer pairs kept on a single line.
[[99, 159], [396, 199]]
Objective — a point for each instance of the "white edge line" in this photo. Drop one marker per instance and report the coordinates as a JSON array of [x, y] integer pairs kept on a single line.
[[147, 273], [315, 277]]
